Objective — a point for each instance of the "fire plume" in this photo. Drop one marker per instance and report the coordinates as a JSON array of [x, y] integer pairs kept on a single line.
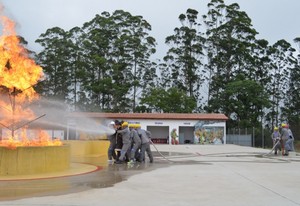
[[18, 74]]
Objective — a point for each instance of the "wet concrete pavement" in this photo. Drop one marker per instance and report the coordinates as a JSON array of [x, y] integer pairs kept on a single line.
[[186, 175]]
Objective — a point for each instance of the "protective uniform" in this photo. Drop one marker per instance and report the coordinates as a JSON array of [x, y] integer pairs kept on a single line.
[[284, 137], [126, 140], [276, 139], [145, 145], [136, 142], [290, 142]]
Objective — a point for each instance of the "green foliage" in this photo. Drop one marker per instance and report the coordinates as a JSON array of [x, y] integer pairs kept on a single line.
[[246, 100], [106, 65], [56, 67], [92, 64], [183, 65], [171, 101]]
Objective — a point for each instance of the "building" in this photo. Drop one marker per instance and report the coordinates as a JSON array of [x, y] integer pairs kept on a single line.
[[190, 128]]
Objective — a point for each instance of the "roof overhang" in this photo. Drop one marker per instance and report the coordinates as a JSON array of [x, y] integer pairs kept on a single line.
[[161, 116]]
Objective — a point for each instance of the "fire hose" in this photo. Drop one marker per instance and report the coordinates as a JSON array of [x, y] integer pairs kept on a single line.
[[275, 145], [160, 152]]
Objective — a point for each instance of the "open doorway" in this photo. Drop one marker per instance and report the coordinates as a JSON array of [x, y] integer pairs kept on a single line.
[[186, 135], [160, 134]]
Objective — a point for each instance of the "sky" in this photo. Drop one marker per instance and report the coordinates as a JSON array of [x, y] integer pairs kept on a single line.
[[273, 19]]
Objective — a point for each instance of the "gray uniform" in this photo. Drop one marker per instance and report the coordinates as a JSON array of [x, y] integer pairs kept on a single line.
[[284, 137], [290, 141], [276, 139], [145, 144], [126, 143], [136, 140]]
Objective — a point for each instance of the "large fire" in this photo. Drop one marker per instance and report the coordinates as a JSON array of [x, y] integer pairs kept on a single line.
[[18, 75]]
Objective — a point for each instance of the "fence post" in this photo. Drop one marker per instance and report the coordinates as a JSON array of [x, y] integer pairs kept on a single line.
[[253, 137], [262, 137]]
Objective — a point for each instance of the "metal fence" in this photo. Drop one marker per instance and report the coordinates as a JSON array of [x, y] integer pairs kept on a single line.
[[243, 140], [255, 137]]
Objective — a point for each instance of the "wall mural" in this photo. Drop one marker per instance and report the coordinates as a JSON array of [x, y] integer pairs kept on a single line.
[[206, 133]]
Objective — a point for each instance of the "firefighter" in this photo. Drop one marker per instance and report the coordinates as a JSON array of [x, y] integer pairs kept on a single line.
[[136, 142], [145, 144], [284, 137], [126, 140], [290, 142], [119, 142], [276, 139]]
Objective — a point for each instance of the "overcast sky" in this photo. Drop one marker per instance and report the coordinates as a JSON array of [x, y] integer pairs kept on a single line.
[[273, 19]]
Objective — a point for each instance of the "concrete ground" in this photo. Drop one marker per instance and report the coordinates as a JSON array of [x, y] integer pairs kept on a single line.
[[189, 175]]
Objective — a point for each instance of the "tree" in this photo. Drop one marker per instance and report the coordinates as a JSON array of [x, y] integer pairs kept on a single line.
[[183, 59], [282, 60], [133, 49], [119, 48], [76, 71], [292, 101], [98, 35], [246, 101], [159, 100], [55, 64], [229, 47]]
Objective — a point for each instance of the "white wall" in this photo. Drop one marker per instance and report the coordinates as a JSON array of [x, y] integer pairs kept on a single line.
[[173, 124]]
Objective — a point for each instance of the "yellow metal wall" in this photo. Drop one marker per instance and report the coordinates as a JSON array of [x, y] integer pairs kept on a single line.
[[33, 160], [88, 148]]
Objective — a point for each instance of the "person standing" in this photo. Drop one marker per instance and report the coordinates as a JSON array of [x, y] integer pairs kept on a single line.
[[119, 141], [145, 144], [112, 143], [136, 142], [276, 140], [174, 136], [290, 142], [284, 137], [126, 140]]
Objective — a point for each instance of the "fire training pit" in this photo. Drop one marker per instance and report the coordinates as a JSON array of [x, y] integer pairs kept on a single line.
[[21, 152], [34, 160]]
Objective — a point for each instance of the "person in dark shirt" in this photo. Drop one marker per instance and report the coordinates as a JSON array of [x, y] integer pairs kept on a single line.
[[119, 143]]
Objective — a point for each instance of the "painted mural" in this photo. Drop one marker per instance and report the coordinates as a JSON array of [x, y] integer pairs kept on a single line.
[[207, 133]]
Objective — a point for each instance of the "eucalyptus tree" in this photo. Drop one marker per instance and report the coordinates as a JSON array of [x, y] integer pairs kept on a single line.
[[246, 100], [292, 101], [97, 37], [55, 62], [281, 65], [159, 100], [24, 44], [118, 48], [183, 61], [77, 69], [132, 49], [231, 42]]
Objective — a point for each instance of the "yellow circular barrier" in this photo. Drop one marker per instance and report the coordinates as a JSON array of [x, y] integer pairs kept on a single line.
[[34, 160]]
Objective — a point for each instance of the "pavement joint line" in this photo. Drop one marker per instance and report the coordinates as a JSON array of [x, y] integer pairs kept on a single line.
[[262, 186]]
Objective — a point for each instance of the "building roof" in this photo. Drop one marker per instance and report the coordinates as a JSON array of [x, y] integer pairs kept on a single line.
[[169, 116]]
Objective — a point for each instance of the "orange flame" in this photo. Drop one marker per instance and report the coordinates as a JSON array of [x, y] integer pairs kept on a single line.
[[18, 75]]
